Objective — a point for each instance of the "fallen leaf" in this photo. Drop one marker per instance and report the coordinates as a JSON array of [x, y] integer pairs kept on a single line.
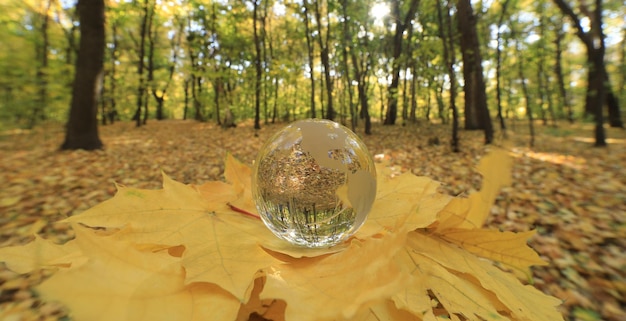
[[523, 302], [40, 253], [471, 212], [185, 250], [216, 239], [337, 285], [405, 199], [508, 248], [121, 283]]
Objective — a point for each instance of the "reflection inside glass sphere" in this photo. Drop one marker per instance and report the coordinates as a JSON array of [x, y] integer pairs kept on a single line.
[[314, 183]]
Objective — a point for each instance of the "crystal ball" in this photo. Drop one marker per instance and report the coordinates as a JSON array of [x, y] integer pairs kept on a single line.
[[314, 183]]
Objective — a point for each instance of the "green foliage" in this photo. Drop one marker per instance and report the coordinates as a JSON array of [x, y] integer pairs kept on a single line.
[[216, 51]]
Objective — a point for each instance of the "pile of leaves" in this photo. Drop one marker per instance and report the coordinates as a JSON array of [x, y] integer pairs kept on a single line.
[[434, 258]]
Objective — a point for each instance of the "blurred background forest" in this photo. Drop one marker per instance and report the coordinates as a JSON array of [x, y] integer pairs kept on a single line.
[[392, 61]]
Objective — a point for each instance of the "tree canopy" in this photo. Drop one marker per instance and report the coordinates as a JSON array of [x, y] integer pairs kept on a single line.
[[345, 60]]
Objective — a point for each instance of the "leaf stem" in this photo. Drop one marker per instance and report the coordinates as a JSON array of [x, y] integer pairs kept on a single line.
[[242, 211]]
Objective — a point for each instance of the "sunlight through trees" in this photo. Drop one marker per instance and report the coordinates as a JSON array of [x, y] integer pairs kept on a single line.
[[346, 60]]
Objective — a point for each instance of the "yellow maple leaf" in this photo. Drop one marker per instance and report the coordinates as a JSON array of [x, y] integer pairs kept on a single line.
[[119, 282], [187, 250], [216, 240], [467, 285], [505, 247], [408, 200], [383, 310], [471, 212], [41, 253], [337, 285], [240, 176]]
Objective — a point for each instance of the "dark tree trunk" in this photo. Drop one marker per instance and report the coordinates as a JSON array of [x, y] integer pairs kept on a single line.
[[70, 35], [218, 89], [499, 67], [82, 126], [141, 87], [614, 117], [346, 41], [160, 98], [112, 112], [440, 104], [522, 77], [196, 91], [476, 111], [151, 34], [401, 25], [102, 98], [405, 82], [42, 66], [258, 67], [324, 56], [361, 66], [266, 63], [449, 58], [564, 104], [275, 102], [414, 89], [541, 91], [360, 74], [186, 101], [598, 86], [596, 95], [309, 46]]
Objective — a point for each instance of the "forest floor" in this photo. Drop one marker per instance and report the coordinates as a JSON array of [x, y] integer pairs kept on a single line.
[[573, 194]]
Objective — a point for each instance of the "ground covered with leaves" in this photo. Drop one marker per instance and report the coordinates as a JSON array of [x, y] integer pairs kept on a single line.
[[574, 195]]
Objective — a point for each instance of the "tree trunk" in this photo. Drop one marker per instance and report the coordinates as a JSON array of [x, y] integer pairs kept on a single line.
[[112, 112], [360, 74], [258, 67], [70, 35], [42, 66], [596, 94], [450, 61], [186, 99], [324, 56], [615, 118], [141, 87], [499, 67], [266, 62], [82, 126], [440, 104], [598, 79], [622, 81], [529, 110], [346, 44], [150, 33], [401, 25], [408, 67], [414, 89], [476, 111], [564, 104], [196, 91], [309, 46], [160, 98]]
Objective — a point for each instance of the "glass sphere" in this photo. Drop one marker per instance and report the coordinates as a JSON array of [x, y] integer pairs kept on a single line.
[[314, 183]]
